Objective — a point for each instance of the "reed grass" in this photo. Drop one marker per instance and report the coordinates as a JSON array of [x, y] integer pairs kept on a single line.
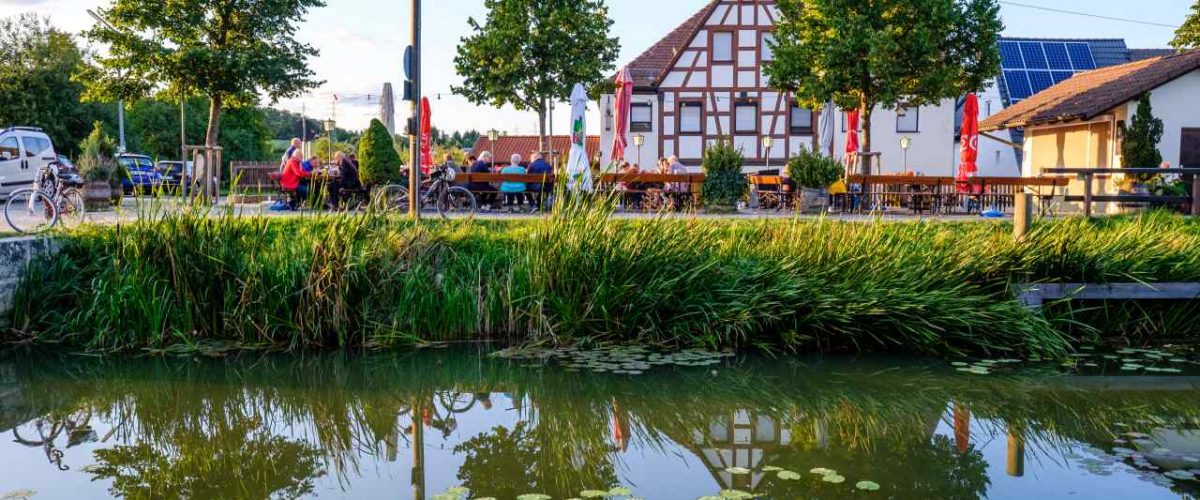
[[179, 280]]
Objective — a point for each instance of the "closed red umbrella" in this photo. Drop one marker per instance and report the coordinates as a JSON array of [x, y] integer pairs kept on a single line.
[[852, 132], [624, 97], [969, 137], [426, 138]]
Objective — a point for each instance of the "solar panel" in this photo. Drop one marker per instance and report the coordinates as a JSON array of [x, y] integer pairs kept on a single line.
[[1010, 55], [1059, 76], [1034, 58], [1081, 56], [1040, 80], [1056, 56], [1018, 85]]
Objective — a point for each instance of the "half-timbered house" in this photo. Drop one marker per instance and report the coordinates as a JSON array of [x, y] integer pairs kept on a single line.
[[704, 81]]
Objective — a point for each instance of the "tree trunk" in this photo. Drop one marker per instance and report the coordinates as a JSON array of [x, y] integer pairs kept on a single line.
[[541, 111], [205, 174], [816, 128], [865, 139]]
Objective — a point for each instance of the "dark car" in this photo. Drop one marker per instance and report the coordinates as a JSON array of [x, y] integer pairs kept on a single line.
[[140, 173], [171, 174]]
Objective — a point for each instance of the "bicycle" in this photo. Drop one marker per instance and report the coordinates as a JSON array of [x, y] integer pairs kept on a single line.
[[54, 198], [440, 192]]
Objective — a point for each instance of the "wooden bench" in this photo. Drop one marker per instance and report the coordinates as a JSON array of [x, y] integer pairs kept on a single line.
[[1033, 296], [635, 184], [771, 191]]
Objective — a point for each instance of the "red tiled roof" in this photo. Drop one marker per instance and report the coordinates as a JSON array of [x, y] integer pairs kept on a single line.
[[1091, 93], [648, 68], [526, 145]]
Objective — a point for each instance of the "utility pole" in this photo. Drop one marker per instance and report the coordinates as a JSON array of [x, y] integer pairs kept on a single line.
[[303, 128], [414, 142]]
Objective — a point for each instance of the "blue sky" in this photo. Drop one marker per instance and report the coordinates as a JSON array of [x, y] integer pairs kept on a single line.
[[361, 42]]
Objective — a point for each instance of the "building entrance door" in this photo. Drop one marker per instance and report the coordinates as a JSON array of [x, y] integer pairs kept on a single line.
[[1189, 148]]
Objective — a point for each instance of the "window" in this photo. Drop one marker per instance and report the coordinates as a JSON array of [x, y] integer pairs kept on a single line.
[[908, 119], [640, 117], [9, 150], [690, 117], [722, 46], [35, 146], [768, 47], [746, 117], [801, 120]]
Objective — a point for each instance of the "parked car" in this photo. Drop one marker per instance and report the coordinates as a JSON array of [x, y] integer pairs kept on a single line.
[[171, 173], [23, 153], [141, 173]]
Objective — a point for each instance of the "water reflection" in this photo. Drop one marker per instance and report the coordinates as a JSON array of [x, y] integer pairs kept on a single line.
[[415, 425]]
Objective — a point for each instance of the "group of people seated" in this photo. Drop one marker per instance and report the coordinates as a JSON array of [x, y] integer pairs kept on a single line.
[[654, 195], [511, 196], [340, 178]]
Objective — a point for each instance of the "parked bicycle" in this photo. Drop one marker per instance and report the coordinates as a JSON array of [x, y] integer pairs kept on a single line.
[[440, 192], [55, 198]]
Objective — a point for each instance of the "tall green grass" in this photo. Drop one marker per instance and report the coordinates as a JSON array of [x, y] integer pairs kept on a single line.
[[183, 280]]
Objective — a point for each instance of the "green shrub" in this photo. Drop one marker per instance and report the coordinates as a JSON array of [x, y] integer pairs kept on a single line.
[[378, 161], [724, 184], [1140, 147], [814, 170], [96, 158]]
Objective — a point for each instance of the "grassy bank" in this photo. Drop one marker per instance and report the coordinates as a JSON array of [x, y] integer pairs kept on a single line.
[[579, 276]]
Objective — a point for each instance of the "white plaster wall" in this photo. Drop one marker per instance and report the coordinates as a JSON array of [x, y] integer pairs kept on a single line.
[[1177, 104], [650, 151], [995, 159], [932, 151]]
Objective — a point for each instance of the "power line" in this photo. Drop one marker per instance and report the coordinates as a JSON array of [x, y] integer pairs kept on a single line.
[[1087, 14]]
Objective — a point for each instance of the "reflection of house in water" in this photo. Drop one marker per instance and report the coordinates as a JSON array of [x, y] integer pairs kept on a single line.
[[739, 440]]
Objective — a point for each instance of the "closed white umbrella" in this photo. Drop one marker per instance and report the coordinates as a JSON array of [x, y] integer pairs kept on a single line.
[[579, 167], [826, 130]]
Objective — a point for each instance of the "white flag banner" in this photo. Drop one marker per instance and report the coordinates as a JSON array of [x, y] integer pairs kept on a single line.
[[579, 167]]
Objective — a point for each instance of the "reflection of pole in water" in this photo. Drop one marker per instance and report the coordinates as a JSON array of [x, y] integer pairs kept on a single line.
[[620, 428], [418, 447], [1016, 453], [962, 427]]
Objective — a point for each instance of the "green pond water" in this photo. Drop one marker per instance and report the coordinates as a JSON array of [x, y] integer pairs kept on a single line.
[[453, 424]]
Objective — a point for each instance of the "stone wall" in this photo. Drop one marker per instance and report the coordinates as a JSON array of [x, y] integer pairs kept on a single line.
[[15, 253]]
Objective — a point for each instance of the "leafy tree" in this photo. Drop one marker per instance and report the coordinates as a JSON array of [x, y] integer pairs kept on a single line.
[[1140, 147], [884, 53], [378, 161], [532, 52], [1188, 35], [724, 185], [230, 51], [152, 128], [36, 88]]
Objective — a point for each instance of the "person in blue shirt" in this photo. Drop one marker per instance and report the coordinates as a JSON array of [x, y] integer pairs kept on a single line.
[[486, 193], [514, 192], [538, 191]]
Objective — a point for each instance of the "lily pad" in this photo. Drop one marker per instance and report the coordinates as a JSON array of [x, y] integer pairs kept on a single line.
[[737, 470], [533, 496], [833, 478], [867, 485], [822, 471], [771, 468], [788, 475], [593, 493], [1180, 475], [735, 494], [620, 491]]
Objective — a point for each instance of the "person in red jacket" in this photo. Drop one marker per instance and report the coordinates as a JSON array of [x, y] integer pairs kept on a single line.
[[293, 173]]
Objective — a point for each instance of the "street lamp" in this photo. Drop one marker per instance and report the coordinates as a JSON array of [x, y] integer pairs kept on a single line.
[[120, 102], [767, 142], [905, 143], [493, 135], [639, 140]]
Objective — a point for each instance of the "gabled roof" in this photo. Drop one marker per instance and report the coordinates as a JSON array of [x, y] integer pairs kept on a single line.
[[650, 67], [1089, 94], [526, 145]]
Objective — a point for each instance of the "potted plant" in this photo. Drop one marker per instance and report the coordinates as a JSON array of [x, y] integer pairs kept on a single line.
[[813, 173], [98, 168], [724, 184], [1139, 149]]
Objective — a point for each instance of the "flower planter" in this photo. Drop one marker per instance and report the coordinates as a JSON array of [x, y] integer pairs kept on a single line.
[[1137, 189], [97, 195], [813, 200]]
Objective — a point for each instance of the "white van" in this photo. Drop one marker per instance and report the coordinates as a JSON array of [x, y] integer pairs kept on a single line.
[[23, 152]]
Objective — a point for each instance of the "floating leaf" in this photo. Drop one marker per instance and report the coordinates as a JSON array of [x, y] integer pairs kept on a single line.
[[711, 497], [788, 475], [822, 471], [737, 470], [771, 468], [458, 490], [735, 494], [593, 493], [620, 491], [958, 363], [1181, 475], [533, 496], [867, 485], [833, 478]]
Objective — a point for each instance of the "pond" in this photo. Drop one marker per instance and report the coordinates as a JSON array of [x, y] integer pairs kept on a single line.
[[446, 424]]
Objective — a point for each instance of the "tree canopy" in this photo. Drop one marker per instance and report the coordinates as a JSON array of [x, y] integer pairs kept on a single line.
[[885, 53], [1139, 149], [529, 53], [1188, 35]]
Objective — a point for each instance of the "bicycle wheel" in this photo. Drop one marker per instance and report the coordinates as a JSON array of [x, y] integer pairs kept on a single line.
[[456, 200], [390, 199], [71, 210], [30, 211]]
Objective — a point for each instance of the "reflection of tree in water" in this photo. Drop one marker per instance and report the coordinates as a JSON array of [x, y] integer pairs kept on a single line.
[[239, 460], [507, 462]]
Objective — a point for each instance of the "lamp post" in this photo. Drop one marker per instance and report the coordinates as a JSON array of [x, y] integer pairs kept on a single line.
[[493, 135], [905, 143], [330, 125], [120, 102], [639, 140], [767, 142]]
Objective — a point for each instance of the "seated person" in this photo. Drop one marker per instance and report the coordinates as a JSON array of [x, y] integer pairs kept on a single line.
[[293, 180], [632, 199], [538, 191], [344, 182], [514, 192], [484, 191]]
